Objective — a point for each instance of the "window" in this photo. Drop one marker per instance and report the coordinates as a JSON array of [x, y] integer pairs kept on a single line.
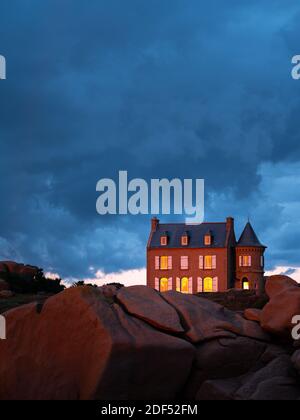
[[262, 261], [210, 262], [246, 285], [184, 240], [164, 240], [185, 285], [164, 263], [184, 263], [207, 240], [208, 285], [164, 285], [245, 261]]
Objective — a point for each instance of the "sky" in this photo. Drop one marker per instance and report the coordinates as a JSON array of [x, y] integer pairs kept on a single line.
[[162, 89]]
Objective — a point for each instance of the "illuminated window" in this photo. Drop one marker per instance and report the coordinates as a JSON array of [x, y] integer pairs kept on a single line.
[[185, 285], [184, 240], [207, 240], [246, 285], [208, 262], [164, 263], [184, 263], [164, 240], [164, 285], [245, 261], [208, 285]]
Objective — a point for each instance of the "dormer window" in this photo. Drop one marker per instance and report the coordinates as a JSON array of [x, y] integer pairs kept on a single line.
[[164, 240], [185, 240], [207, 239]]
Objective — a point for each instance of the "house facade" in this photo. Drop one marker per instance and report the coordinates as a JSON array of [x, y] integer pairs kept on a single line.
[[203, 257]]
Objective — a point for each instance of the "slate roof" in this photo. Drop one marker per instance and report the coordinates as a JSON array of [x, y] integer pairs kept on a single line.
[[249, 237], [195, 232]]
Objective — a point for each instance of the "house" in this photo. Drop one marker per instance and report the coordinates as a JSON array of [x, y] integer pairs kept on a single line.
[[203, 257]]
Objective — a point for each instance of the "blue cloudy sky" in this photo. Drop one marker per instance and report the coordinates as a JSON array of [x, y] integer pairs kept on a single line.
[[161, 88]]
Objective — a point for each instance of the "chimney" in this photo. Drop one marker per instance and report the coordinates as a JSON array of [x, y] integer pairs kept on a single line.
[[154, 224], [229, 224]]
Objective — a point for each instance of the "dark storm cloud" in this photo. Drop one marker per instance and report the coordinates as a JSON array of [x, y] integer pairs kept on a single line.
[[162, 89]]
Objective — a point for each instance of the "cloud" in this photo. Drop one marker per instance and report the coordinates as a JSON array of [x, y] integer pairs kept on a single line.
[[125, 277], [294, 273], [161, 89]]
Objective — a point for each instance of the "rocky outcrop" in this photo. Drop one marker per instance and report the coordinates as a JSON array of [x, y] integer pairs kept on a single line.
[[135, 343], [149, 305], [79, 346], [253, 314], [205, 320], [4, 285], [277, 315], [284, 304], [276, 382]]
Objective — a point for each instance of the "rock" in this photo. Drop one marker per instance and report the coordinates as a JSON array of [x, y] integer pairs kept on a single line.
[[82, 347], [6, 294], [284, 304], [274, 382], [204, 320], [109, 291], [277, 284], [275, 373], [296, 360], [222, 359], [227, 358], [147, 304], [4, 285], [279, 388], [253, 314], [218, 389]]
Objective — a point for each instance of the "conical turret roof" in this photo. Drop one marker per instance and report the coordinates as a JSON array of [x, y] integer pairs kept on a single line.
[[249, 237]]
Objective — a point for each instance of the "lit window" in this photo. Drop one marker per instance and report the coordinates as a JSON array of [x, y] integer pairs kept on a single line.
[[184, 285], [184, 263], [164, 241], [184, 240], [207, 240], [164, 263], [246, 285], [208, 285], [164, 285], [246, 261], [208, 262]]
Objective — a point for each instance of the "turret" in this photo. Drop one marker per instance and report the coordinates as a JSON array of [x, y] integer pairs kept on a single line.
[[250, 261]]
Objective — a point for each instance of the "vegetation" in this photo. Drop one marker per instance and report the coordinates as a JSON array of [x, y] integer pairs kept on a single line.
[[33, 284], [237, 300]]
